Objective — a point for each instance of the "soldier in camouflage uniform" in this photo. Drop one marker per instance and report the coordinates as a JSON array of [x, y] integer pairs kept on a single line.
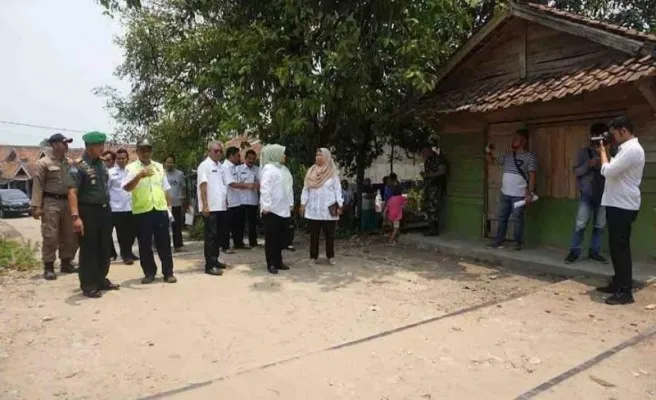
[[434, 174]]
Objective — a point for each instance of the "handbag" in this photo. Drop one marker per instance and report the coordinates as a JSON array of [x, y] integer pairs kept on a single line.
[[333, 209]]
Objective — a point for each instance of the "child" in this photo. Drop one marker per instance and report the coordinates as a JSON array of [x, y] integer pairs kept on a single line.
[[394, 211]]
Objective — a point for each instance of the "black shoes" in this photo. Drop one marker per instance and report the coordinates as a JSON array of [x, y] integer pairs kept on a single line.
[[620, 297], [108, 285], [609, 289], [598, 257], [49, 271], [148, 279], [272, 269], [170, 279], [571, 258], [283, 267], [223, 266], [214, 271], [93, 294], [67, 267], [290, 248]]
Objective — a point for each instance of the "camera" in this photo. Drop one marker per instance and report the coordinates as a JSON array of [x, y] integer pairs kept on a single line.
[[604, 138]]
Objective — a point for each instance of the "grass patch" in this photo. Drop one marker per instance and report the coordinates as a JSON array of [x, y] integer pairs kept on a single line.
[[17, 255]]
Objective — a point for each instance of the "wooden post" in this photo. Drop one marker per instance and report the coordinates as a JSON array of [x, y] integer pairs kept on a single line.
[[522, 50], [646, 87]]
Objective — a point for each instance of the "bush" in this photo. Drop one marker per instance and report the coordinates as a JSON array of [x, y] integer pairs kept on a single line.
[[17, 255]]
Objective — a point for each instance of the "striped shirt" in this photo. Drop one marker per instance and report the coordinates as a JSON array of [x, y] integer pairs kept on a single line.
[[513, 183]]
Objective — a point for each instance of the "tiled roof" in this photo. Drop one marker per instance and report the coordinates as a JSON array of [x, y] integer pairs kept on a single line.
[[483, 97], [627, 32], [244, 142]]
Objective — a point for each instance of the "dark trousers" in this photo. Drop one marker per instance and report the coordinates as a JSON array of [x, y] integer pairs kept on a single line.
[[154, 224], [229, 222], [112, 248], [274, 237], [94, 246], [289, 232], [238, 216], [177, 225], [215, 227], [328, 228], [126, 232], [250, 214], [619, 223]]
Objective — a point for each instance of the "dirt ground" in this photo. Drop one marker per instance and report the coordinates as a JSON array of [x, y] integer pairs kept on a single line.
[[385, 323]]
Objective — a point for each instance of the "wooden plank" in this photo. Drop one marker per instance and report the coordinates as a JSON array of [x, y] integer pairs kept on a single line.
[[646, 87], [522, 51], [472, 43], [600, 36]]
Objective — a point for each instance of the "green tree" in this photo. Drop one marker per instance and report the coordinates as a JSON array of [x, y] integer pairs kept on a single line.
[[302, 73]]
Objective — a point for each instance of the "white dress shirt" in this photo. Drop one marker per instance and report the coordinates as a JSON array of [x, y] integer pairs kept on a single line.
[[272, 193], [317, 201], [248, 175], [211, 172], [119, 199], [230, 176], [623, 176]]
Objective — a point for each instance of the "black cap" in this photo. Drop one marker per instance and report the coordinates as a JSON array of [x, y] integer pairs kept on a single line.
[[59, 138], [144, 143]]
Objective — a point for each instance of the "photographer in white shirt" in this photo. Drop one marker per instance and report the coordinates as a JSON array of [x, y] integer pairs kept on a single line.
[[621, 198]]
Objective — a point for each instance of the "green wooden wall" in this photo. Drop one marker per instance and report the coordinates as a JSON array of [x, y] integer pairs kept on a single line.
[[462, 214]]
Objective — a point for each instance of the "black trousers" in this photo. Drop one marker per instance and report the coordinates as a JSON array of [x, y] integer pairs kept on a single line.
[[250, 215], [94, 246], [126, 232], [154, 224], [289, 232], [229, 222], [177, 225], [619, 223], [238, 217], [328, 228], [215, 227], [274, 237]]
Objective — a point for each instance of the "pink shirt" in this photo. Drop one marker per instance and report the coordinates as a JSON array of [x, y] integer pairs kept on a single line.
[[395, 207]]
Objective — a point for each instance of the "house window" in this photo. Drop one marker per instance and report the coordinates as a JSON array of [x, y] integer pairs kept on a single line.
[[556, 147]]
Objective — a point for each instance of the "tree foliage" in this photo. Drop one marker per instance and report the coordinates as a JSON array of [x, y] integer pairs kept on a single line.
[[303, 73]]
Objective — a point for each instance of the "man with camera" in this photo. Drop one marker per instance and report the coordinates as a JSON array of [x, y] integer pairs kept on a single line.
[[621, 197], [590, 183]]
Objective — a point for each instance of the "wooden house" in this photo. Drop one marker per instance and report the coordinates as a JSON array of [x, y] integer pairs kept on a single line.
[[555, 73]]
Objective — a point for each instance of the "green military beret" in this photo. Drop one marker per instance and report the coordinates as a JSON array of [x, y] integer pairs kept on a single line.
[[94, 138]]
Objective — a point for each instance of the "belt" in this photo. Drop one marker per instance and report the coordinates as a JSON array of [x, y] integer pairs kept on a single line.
[[93, 205], [55, 196]]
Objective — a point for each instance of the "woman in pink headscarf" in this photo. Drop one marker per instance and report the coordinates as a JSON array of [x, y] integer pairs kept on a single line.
[[321, 204]]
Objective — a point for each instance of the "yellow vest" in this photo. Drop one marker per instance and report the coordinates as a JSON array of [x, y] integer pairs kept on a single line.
[[149, 193]]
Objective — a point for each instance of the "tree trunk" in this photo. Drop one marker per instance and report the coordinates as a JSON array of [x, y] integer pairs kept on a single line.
[[360, 169]]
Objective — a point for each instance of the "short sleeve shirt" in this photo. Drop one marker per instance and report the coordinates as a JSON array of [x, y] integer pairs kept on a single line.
[[176, 179], [230, 176], [248, 175], [211, 173], [91, 179], [514, 183]]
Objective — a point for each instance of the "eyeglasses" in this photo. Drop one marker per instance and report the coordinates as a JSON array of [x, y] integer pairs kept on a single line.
[[217, 151]]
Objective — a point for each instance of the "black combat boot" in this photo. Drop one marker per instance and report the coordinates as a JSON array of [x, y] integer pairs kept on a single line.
[[49, 271], [67, 267]]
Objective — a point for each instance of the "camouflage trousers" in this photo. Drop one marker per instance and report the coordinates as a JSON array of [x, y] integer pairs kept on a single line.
[[433, 202]]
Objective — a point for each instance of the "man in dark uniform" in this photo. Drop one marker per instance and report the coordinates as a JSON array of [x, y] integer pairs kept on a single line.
[[88, 199], [434, 174], [49, 203]]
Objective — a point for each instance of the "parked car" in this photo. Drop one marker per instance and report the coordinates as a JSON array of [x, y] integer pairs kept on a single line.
[[13, 202]]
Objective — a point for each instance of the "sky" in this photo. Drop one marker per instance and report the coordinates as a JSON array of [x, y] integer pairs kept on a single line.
[[54, 53]]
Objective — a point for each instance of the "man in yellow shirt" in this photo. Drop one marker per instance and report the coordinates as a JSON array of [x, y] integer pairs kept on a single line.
[[151, 206]]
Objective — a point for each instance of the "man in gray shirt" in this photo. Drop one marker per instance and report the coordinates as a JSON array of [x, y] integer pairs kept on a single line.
[[178, 195]]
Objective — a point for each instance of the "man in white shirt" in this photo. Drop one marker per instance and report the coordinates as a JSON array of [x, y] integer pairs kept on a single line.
[[248, 172], [621, 198], [233, 159], [213, 203], [121, 203]]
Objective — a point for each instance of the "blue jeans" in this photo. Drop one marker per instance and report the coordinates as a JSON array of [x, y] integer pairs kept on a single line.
[[505, 212], [586, 210]]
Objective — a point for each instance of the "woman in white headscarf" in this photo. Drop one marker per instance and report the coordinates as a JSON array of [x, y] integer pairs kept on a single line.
[[321, 203], [274, 204]]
